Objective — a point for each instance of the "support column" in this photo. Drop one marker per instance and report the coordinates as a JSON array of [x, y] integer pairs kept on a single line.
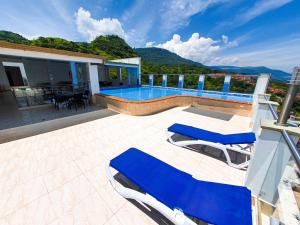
[[74, 75], [106, 73], [150, 79], [93, 80], [164, 80], [119, 72], [137, 76], [201, 82], [226, 86], [269, 161], [180, 81]]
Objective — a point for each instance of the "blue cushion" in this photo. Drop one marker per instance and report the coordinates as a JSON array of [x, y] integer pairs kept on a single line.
[[205, 135], [210, 202]]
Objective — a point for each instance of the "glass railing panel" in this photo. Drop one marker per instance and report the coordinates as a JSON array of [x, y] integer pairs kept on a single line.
[[243, 84], [145, 79], [173, 81], [191, 81], [281, 196], [214, 83], [157, 80]]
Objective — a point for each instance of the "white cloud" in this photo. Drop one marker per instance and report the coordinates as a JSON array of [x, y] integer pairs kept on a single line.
[[229, 60], [176, 13], [200, 49], [262, 7], [150, 44], [279, 55], [196, 48], [225, 39], [91, 28]]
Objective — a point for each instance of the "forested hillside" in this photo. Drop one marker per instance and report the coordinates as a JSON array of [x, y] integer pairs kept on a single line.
[[164, 57], [110, 46]]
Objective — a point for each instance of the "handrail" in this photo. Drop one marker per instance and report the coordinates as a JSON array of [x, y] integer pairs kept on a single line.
[[197, 74], [292, 147]]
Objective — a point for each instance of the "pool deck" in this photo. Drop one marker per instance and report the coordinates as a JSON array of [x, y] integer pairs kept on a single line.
[[58, 178]]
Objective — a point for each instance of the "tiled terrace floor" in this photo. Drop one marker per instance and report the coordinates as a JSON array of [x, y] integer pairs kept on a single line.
[[59, 177]]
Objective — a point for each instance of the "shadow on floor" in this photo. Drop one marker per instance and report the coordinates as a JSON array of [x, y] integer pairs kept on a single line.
[[148, 210], [209, 113], [42, 120], [235, 157]]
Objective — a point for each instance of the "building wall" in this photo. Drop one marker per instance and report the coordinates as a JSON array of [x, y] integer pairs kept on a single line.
[[103, 75], [36, 71], [82, 72], [4, 83], [59, 72]]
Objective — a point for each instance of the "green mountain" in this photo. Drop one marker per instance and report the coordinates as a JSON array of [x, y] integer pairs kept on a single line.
[[160, 56], [13, 37], [114, 45], [110, 46], [164, 57]]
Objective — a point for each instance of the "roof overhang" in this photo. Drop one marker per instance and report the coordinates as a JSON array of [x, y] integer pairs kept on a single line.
[[120, 64], [47, 53]]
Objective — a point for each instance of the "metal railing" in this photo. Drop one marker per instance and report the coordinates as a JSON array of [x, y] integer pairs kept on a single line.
[[292, 146]]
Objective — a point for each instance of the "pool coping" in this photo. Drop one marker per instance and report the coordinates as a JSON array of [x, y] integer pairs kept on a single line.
[[169, 97], [152, 106]]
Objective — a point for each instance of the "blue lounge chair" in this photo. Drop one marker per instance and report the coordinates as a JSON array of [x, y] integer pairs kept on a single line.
[[223, 142], [178, 195]]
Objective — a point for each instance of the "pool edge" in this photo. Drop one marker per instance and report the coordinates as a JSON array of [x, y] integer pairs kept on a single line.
[[152, 106]]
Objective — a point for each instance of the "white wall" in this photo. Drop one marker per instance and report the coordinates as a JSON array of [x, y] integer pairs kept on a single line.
[[93, 78]]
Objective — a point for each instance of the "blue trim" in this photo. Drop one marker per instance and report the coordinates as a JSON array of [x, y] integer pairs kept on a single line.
[[119, 87], [180, 84], [74, 74], [150, 82], [226, 87], [164, 83], [200, 86]]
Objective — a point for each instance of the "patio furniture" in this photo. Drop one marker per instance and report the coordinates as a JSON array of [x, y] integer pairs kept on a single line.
[[62, 99], [86, 97], [219, 141], [178, 195], [77, 101]]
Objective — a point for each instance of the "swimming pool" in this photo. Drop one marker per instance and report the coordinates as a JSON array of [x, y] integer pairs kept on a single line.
[[142, 93]]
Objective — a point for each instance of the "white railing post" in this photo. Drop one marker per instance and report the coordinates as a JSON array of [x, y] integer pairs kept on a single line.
[[150, 79], [261, 85], [164, 80], [180, 81], [226, 86]]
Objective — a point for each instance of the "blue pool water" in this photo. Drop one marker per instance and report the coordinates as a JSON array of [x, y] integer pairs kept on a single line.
[[146, 92]]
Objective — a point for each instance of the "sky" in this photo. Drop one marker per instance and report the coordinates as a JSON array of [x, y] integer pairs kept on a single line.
[[212, 32]]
